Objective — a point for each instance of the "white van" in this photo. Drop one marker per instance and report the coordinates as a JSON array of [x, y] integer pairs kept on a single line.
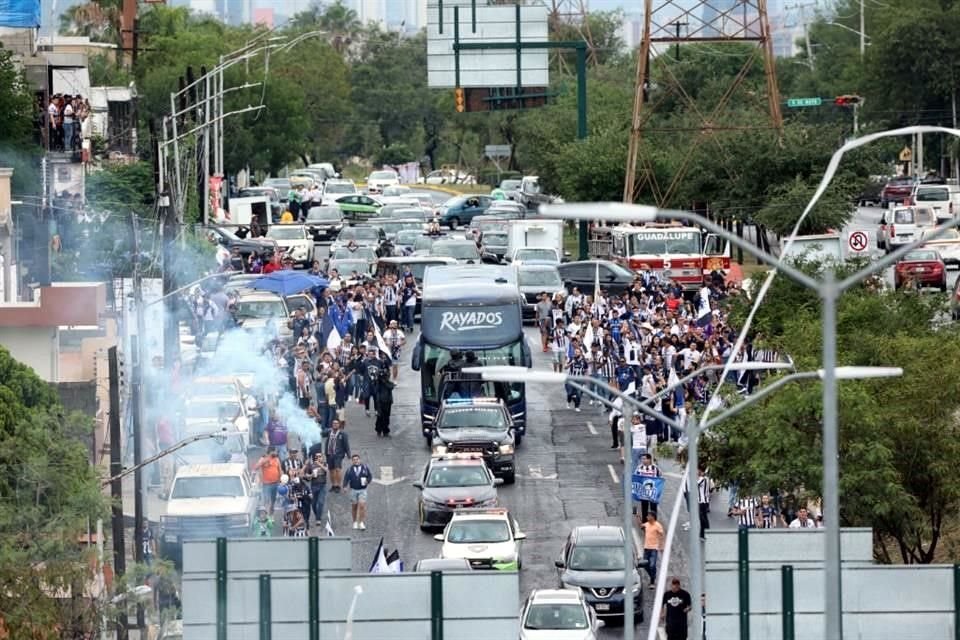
[[902, 225], [939, 197]]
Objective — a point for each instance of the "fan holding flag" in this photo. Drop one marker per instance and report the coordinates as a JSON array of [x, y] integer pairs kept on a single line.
[[384, 562]]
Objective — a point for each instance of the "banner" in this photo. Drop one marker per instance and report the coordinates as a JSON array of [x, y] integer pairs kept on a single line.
[[20, 14], [649, 488]]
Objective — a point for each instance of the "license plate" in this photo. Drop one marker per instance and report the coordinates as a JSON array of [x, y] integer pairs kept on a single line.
[[921, 269], [603, 607]]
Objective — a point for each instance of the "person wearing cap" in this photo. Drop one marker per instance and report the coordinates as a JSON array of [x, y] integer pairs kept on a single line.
[[263, 525]]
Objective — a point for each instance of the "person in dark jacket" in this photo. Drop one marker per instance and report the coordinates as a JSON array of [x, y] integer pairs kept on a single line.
[[338, 448], [384, 399]]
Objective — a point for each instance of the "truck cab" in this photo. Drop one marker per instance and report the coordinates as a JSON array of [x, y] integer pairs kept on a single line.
[[209, 501]]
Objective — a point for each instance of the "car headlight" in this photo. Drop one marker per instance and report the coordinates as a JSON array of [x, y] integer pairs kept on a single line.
[[506, 449]]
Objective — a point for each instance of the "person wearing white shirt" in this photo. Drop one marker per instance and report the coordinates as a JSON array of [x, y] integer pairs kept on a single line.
[[803, 521]]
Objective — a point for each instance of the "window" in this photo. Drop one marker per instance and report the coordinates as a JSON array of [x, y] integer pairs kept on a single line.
[[451, 476], [278, 232], [665, 243], [556, 616], [207, 487], [903, 216], [926, 194], [458, 251], [436, 358], [606, 558], [479, 531], [473, 417], [541, 278]]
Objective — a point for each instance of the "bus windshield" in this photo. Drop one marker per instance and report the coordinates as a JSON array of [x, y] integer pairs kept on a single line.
[[436, 362], [665, 243]]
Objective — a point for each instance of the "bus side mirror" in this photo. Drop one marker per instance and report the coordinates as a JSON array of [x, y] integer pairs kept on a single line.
[[416, 357]]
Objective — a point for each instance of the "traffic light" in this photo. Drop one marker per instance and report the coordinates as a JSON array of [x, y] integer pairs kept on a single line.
[[459, 100], [848, 101]]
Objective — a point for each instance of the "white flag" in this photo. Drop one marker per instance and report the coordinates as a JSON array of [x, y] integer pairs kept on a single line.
[[333, 340], [379, 564], [381, 343], [327, 527]]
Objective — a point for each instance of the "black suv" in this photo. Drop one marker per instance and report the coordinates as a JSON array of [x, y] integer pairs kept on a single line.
[[477, 425], [592, 560]]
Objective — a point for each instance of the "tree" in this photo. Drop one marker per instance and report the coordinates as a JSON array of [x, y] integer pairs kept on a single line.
[[898, 441], [98, 20], [49, 493], [18, 146]]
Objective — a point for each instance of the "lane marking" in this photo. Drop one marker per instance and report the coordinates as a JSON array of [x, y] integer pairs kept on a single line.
[[386, 477], [613, 474], [591, 428]]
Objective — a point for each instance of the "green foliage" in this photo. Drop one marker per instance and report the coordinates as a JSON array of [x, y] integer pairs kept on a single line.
[[897, 437], [17, 125], [49, 494]]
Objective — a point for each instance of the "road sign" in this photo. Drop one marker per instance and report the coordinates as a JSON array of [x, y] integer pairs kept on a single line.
[[497, 151], [858, 241], [906, 154], [794, 103], [470, 21]]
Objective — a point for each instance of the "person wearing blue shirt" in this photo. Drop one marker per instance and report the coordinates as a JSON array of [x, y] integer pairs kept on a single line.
[[624, 374]]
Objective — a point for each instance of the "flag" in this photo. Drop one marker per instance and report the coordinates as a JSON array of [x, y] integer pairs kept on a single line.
[[588, 337], [381, 343], [394, 563], [379, 564], [327, 527], [649, 488], [596, 285], [333, 340]]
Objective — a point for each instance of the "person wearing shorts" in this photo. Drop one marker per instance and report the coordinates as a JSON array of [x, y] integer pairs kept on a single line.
[[358, 478], [544, 310], [558, 343]]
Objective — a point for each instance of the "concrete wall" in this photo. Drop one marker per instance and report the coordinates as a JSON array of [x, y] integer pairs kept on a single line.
[[476, 605], [35, 347]]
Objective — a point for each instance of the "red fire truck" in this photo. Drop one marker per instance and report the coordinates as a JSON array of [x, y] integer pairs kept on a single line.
[[686, 255]]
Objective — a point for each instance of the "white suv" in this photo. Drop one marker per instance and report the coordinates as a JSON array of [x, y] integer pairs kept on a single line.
[[487, 538]]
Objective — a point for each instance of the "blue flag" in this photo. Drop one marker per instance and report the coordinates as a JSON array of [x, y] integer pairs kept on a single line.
[[649, 488]]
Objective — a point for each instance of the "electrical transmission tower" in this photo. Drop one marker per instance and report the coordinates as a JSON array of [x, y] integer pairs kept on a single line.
[[572, 13], [720, 22]]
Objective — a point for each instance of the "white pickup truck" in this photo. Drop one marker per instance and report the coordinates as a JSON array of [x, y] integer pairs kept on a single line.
[[939, 197], [209, 501]]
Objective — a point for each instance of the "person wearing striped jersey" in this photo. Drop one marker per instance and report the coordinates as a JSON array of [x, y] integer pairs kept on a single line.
[[747, 511], [558, 344], [576, 367]]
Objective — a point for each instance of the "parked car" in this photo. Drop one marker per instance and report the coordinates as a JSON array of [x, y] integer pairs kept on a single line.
[[337, 188], [462, 209], [380, 180], [939, 197], [582, 274], [955, 300], [324, 222], [276, 202], [921, 268], [246, 246]]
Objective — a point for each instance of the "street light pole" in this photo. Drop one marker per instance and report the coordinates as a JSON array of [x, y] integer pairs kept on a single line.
[[829, 291]]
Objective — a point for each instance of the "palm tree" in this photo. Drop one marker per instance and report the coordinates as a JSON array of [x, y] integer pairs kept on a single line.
[[98, 20], [339, 21]]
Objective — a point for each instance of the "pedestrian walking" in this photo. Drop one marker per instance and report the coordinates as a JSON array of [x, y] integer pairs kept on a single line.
[[316, 474], [358, 478], [338, 448], [395, 340], [269, 467], [654, 538], [703, 501], [148, 543], [676, 607], [384, 402], [647, 468]]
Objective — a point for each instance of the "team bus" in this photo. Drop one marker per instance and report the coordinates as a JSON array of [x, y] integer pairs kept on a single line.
[[471, 316]]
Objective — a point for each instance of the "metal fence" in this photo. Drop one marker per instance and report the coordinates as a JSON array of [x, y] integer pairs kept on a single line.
[[303, 589]]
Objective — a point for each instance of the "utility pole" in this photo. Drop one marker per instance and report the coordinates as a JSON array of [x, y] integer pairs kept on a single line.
[[137, 405], [677, 25], [863, 33], [116, 487]]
